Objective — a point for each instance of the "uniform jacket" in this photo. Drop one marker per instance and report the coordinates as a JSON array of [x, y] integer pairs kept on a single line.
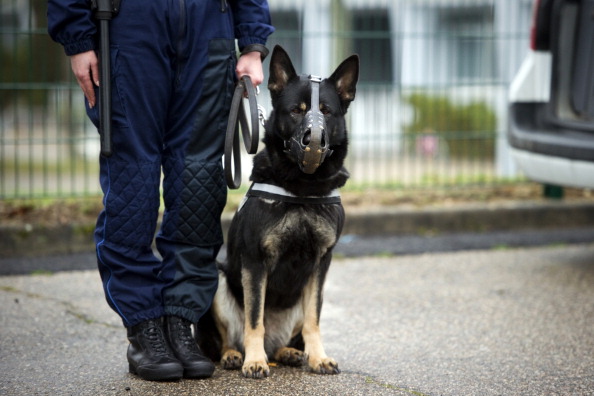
[[71, 23]]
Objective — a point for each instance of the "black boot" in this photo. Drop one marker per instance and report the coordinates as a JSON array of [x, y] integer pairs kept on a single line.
[[149, 355], [179, 335]]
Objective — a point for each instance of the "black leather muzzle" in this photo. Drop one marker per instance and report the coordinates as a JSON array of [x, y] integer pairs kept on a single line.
[[311, 145]]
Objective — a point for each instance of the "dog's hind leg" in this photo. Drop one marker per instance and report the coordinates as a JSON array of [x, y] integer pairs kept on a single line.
[[317, 359], [231, 358], [289, 356], [254, 290], [286, 325], [228, 318]]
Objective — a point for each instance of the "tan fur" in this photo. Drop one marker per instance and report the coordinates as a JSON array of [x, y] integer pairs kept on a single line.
[[280, 326], [229, 319], [344, 94], [274, 329], [317, 359], [282, 80], [289, 356], [256, 363]]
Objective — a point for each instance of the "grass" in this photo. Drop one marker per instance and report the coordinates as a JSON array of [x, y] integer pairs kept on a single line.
[[84, 209], [384, 254], [26, 166], [502, 247], [41, 272]]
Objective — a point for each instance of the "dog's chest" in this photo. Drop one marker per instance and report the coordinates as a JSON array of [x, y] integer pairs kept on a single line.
[[301, 228]]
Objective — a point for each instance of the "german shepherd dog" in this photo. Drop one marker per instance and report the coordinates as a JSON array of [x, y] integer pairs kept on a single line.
[[280, 241]]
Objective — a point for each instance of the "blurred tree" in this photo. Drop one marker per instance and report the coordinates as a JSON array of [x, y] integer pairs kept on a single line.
[[468, 130], [31, 62]]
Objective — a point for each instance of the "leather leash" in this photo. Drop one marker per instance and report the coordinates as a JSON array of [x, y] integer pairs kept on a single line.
[[237, 116]]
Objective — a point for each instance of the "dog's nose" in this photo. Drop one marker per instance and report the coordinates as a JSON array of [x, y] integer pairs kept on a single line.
[[306, 139]]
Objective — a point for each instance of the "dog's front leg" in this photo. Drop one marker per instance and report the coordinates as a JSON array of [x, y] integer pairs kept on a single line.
[[312, 338], [254, 290]]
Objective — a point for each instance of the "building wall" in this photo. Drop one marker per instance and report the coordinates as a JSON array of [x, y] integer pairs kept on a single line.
[[454, 52], [466, 50]]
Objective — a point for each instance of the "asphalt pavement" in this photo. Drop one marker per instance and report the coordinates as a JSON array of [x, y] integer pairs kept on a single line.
[[510, 321], [468, 300]]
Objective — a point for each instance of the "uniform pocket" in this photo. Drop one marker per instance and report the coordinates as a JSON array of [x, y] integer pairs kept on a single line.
[[117, 104], [213, 108]]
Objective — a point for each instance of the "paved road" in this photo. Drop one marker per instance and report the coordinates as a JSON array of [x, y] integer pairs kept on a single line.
[[484, 322]]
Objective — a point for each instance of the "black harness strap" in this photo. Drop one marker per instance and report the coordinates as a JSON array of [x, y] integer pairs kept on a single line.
[[277, 193], [237, 116]]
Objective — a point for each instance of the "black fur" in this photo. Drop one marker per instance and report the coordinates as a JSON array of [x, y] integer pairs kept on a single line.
[[286, 244]]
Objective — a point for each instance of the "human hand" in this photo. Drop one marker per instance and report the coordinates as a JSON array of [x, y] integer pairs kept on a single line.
[[250, 64], [85, 67]]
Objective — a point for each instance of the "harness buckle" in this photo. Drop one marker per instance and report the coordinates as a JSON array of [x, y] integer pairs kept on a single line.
[[316, 79]]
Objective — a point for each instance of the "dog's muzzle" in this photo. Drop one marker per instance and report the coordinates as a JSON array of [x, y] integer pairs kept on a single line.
[[311, 146]]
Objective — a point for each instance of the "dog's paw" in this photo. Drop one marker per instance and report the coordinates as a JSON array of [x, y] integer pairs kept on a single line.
[[324, 366], [232, 360], [256, 369], [290, 356]]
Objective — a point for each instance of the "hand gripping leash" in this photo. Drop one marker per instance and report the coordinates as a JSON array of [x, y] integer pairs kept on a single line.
[[237, 116], [105, 10]]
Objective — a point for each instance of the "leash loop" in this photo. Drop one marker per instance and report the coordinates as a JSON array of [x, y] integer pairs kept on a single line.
[[237, 117]]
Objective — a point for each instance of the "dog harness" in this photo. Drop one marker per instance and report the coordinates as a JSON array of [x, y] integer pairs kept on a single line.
[[276, 193]]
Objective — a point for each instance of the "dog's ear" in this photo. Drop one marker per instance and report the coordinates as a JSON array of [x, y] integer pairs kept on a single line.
[[281, 70], [345, 79]]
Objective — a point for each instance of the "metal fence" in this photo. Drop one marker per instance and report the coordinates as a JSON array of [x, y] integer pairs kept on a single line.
[[430, 110]]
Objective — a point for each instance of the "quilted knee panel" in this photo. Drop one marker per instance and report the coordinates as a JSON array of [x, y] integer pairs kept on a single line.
[[195, 196], [132, 203]]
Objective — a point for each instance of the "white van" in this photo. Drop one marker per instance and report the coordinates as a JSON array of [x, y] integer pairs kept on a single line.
[[552, 96]]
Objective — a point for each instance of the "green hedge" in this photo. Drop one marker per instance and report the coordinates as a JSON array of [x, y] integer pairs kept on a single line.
[[468, 131]]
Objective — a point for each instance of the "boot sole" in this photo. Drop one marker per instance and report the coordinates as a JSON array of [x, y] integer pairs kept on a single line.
[[164, 372], [201, 371]]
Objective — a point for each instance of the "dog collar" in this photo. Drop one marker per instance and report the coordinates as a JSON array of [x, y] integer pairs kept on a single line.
[[276, 193]]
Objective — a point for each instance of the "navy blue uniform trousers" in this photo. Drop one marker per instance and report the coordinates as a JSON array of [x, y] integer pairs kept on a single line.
[[173, 65]]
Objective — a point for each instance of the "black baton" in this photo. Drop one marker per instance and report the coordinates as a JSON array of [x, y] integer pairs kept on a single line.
[[105, 10]]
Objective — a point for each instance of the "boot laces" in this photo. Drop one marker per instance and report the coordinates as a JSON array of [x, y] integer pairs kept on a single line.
[[184, 334], [156, 339]]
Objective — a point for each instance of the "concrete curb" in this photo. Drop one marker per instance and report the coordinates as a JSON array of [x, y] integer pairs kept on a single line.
[[30, 241], [471, 218]]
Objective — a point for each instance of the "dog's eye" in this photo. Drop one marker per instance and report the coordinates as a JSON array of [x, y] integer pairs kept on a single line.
[[324, 109], [296, 110]]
